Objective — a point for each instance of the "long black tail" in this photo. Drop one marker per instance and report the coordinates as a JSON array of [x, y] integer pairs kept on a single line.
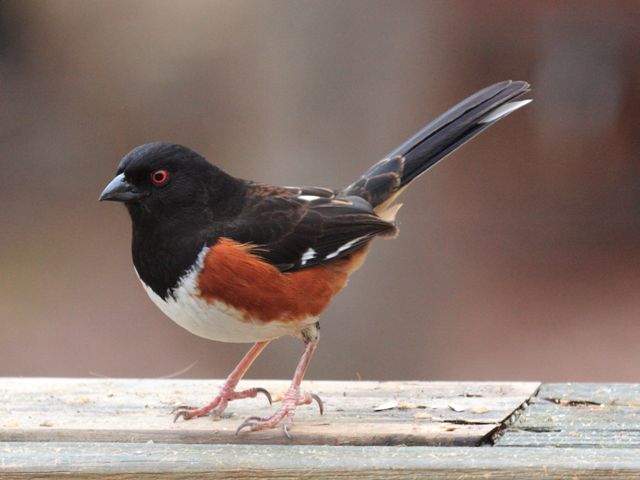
[[384, 181]]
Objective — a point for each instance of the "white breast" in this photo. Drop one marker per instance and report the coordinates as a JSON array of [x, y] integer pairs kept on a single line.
[[215, 320]]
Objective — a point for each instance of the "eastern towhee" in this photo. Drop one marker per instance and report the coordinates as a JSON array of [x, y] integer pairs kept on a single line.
[[237, 261]]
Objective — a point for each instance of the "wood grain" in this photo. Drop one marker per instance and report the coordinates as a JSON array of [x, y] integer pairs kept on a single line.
[[105, 410], [155, 461], [122, 429], [579, 415]]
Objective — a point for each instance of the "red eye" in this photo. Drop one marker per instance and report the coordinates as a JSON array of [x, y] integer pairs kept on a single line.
[[159, 177]]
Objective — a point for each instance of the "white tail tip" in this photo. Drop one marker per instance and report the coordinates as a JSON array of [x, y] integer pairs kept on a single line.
[[504, 110]]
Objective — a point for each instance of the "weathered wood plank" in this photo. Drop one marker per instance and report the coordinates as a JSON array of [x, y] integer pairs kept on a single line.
[[155, 461], [356, 413], [542, 415], [608, 393], [571, 439], [578, 415]]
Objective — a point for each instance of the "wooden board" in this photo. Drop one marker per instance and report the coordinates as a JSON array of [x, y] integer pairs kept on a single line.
[[122, 429], [356, 413], [155, 461], [579, 415]]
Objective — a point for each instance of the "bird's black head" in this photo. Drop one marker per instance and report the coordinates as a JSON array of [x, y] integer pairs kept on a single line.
[[167, 180], [177, 202]]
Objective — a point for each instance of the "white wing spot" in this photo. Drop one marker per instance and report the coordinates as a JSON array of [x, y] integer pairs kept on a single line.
[[310, 254], [504, 110], [344, 247], [308, 198]]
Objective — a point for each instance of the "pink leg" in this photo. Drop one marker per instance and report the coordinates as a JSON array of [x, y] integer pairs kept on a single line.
[[291, 400], [228, 392]]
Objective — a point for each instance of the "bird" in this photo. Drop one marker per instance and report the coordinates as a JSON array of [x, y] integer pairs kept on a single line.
[[235, 260]]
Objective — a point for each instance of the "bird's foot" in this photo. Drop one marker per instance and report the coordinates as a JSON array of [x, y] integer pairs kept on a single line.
[[217, 407], [290, 402]]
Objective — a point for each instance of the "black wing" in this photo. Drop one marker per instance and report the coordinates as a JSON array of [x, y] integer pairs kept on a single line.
[[298, 227]]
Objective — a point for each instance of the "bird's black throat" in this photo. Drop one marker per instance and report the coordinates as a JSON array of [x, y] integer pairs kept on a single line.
[[169, 235]]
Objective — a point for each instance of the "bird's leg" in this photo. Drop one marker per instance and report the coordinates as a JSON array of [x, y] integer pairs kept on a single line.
[[227, 392], [293, 397]]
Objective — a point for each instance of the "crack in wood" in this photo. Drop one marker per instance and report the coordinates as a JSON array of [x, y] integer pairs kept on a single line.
[[493, 437], [571, 403]]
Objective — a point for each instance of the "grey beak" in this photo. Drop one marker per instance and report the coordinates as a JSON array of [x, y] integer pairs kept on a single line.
[[119, 190]]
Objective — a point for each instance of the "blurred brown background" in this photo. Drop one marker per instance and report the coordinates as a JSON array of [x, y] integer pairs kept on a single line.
[[519, 256]]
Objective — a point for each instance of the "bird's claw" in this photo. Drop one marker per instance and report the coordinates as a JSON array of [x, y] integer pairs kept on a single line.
[[319, 402], [218, 405], [249, 423], [181, 413], [186, 412], [181, 407], [265, 392], [286, 412]]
